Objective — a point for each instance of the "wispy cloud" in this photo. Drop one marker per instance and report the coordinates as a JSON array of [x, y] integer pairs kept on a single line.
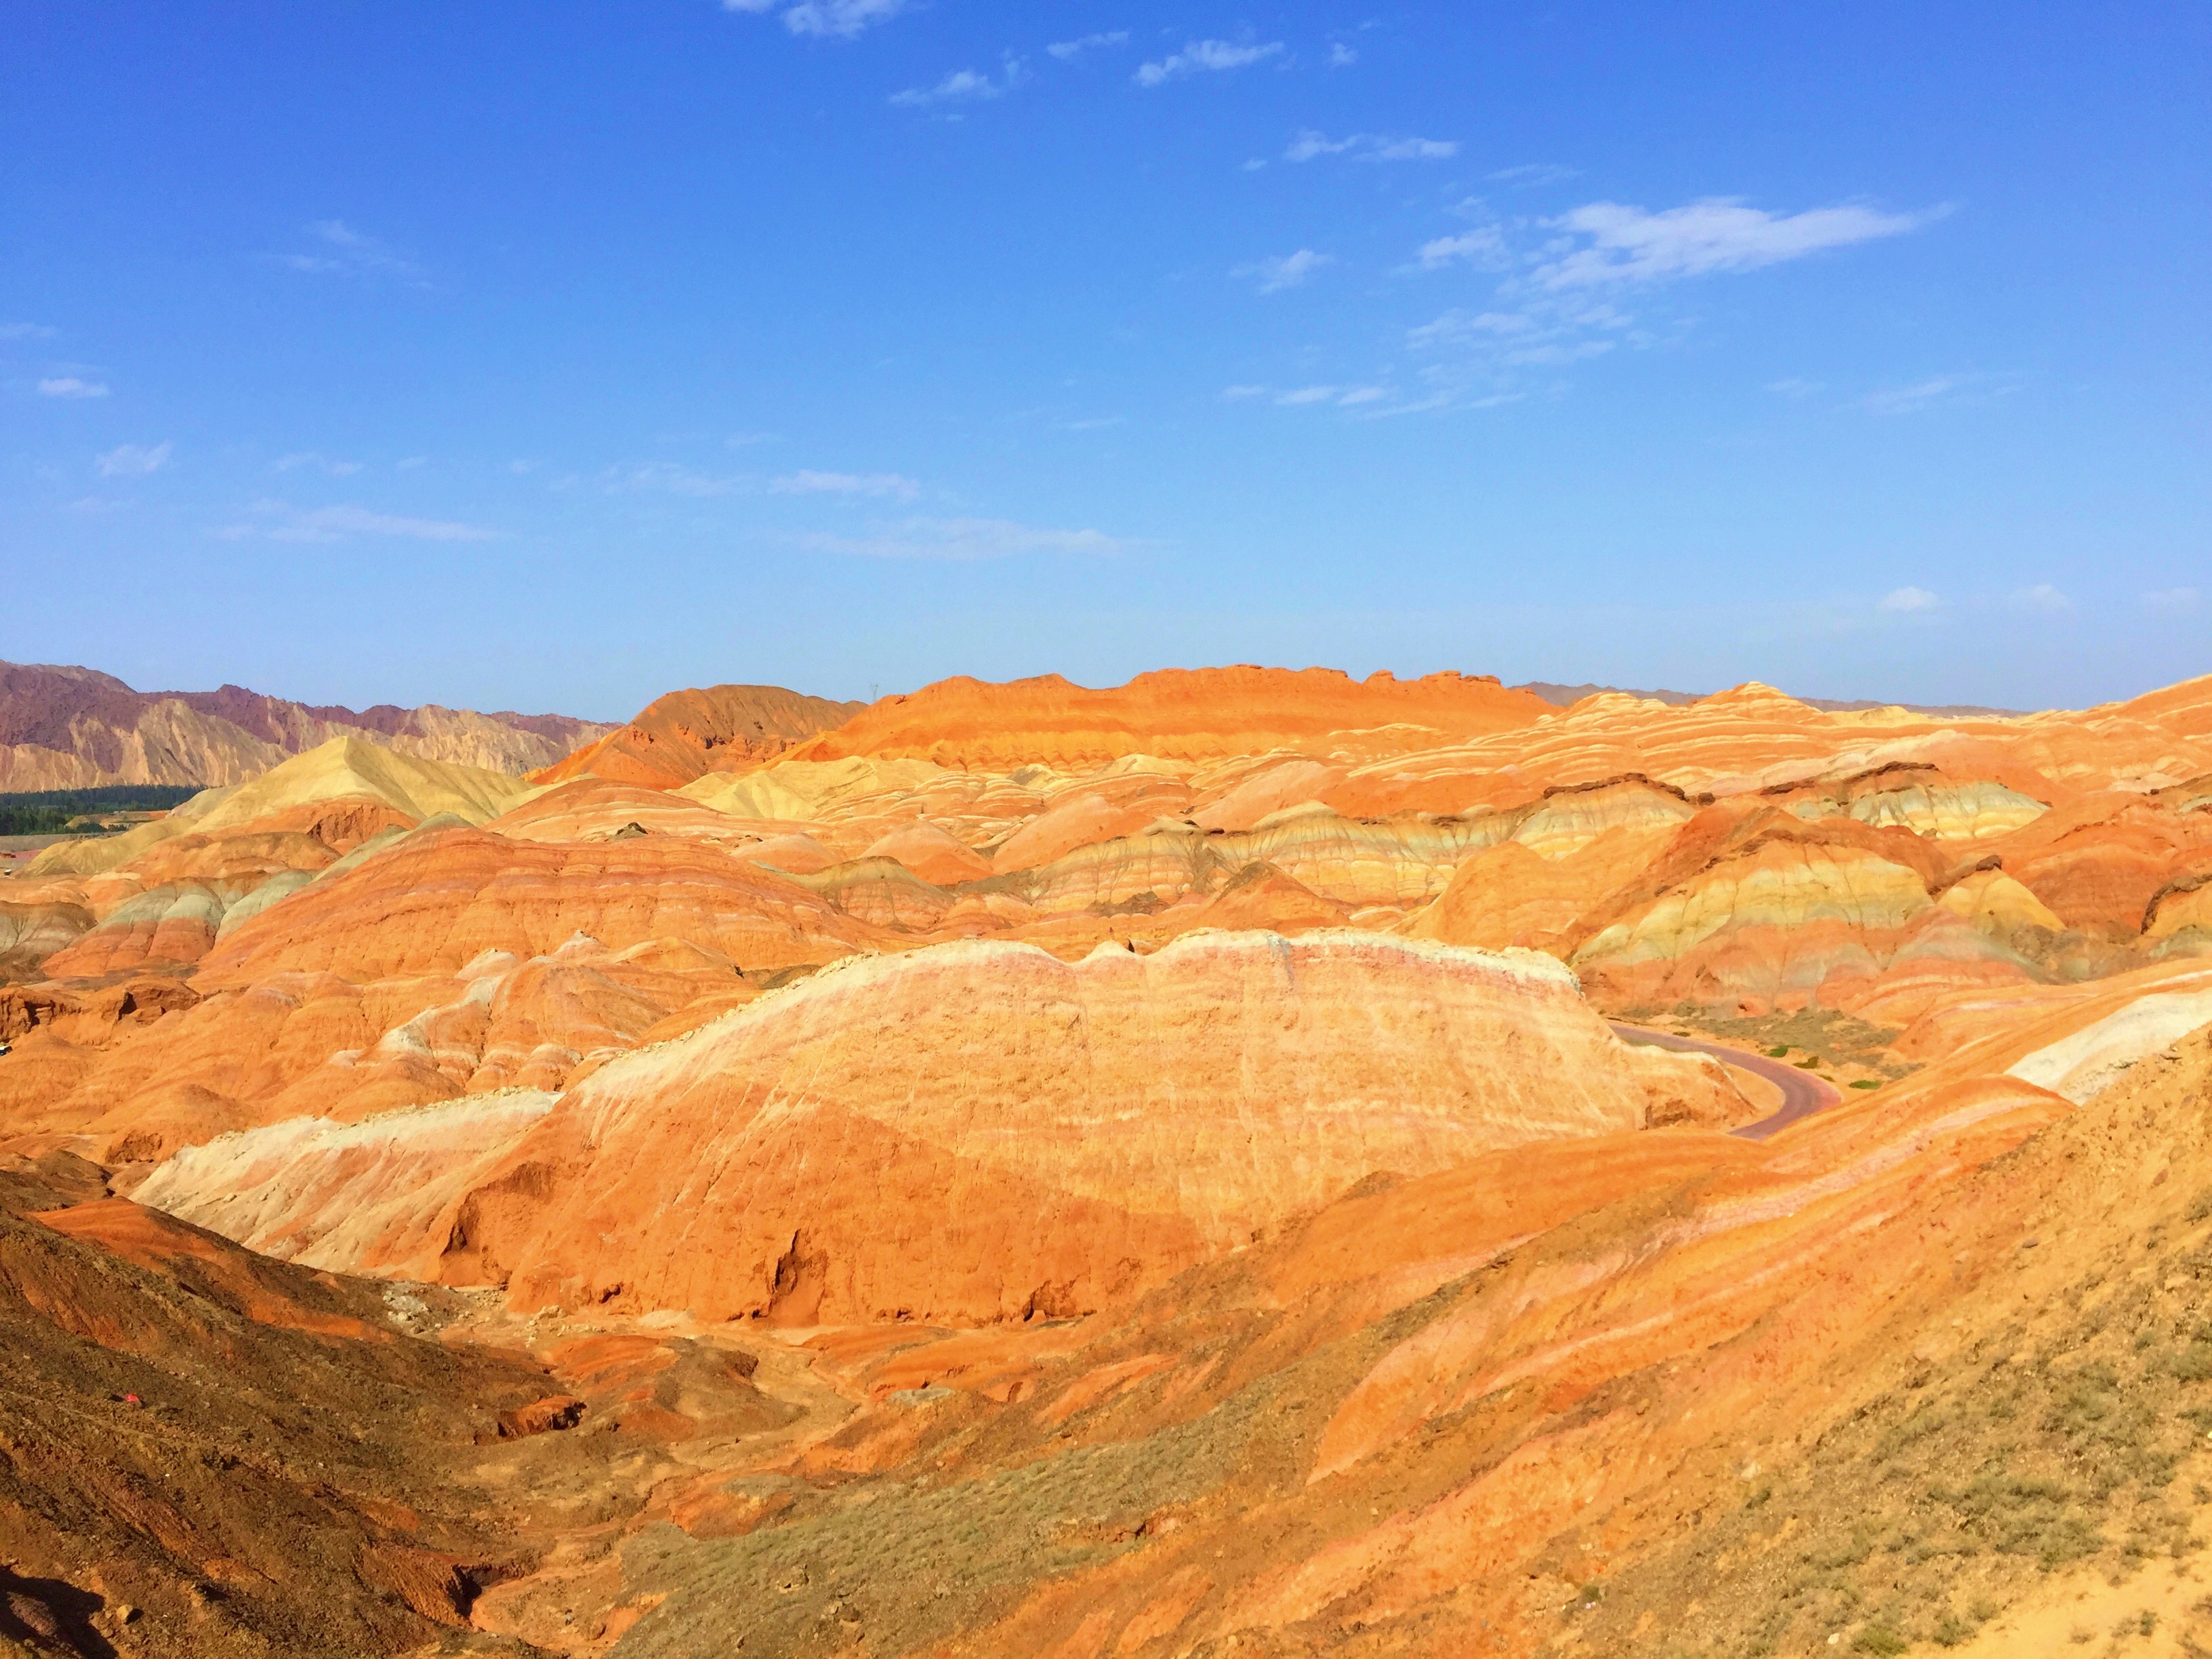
[[1791, 387], [1563, 282], [958, 86], [134, 461], [1529, 334], [837, 19], [25, 332], [279, 521], [805, 482], [961, 87], [1484, 247], [1621, 244], [1307, 397], [965, 540], [1341, 56], [1531, 174], [1910, 601], [1204, 55], [341, 250], [1370, 147], [2175, 601], [1067, 51], [2044, 598], [669, 479], [320, 463], [1284, 271], [69, 385], [1911, 399]]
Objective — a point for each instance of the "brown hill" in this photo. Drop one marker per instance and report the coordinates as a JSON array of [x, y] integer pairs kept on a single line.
[[685, 735], [75, 728]]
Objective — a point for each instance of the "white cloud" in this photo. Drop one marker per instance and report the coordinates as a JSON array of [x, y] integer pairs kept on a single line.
[[2175, 601], [1535, 333], [1341, 56], [1791, 387], [958, 86], [1719, 233], [25, 331], [2043, 597], [133, 461], [1285, 270], [281, 522], [408, 463], [1531, 174], [668, 478], [1559, 299], [1200, 55], [805, 483], [840, 19], [346, 252], [1067, 51], [1911, 399], [1307, 397], [320, 463], [1484, 247], [69, 385], [964, 540], [1370, 147], [1910, 601]]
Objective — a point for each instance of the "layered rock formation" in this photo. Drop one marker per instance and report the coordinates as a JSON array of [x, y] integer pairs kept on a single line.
[[1011, 1134], [686, 735], [72, 728], [957, 1244], [1176, 713]]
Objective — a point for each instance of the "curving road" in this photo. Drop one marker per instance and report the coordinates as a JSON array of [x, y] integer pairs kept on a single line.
[[1803, 1094]]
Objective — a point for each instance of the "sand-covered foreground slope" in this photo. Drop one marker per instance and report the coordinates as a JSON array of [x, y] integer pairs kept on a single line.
[[982, 1132]]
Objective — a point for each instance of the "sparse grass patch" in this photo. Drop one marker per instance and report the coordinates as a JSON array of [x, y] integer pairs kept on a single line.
[[1914, 1520]]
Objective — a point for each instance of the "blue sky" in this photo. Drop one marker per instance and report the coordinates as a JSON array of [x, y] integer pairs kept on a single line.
[[552, 356]]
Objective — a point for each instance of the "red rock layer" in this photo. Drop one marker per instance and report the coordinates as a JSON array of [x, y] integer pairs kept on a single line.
[[687, 734]]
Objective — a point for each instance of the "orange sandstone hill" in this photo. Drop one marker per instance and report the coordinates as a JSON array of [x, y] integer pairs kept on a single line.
[[685, 735], [1137, 1172], [1179, 713]]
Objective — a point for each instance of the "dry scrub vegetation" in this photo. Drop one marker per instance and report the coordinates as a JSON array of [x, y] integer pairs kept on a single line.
[[2067, 1432]]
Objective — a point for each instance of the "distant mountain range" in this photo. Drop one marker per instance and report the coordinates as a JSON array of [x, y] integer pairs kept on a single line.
[[1565, 695], [76, 728]]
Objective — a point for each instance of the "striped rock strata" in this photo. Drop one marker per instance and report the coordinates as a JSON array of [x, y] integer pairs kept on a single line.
[[978, 1132]]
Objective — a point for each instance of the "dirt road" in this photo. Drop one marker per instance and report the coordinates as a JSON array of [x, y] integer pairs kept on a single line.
[[1803, 1094]]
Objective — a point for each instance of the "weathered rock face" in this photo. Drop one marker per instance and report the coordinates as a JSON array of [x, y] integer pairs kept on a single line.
[[979, 1132], [1176, 713], [437, 901], [341, 794], [685, 735], [71, 728]]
